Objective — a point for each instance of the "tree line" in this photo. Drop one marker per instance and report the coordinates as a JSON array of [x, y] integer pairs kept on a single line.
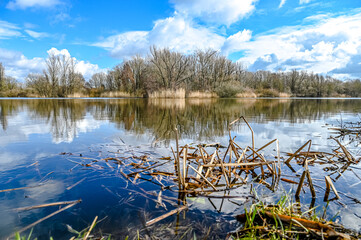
[[163, 69]]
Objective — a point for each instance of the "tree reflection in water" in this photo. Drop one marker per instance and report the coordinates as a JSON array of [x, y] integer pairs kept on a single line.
[[199, 119]]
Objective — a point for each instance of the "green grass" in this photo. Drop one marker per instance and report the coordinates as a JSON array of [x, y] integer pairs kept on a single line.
[[262, 221]]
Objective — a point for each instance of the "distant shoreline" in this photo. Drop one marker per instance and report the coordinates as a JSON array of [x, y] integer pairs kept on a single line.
[[163, 98]]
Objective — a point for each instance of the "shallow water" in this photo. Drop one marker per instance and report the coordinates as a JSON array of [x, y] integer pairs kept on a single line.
[[42, 140]]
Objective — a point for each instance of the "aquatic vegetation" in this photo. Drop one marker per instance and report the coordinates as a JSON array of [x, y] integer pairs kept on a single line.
[[287, 220]]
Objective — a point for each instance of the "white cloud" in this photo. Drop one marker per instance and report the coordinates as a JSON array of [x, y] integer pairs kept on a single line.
[[36, 35], [19, 66], [30, 25], [235, 41], [329, 45], [23, 4], [183, 35], [61, 17], [56, 52], [176, 33], [8, 30], [126, 44], [181, 32], [215, 11], [86, 68], [304, 1], [282, 3]]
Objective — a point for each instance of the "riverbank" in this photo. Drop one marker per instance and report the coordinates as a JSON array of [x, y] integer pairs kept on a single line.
[[171, 94]]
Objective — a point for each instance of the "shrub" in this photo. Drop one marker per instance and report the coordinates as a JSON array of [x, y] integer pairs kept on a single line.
[[228, 90], [269, 92]]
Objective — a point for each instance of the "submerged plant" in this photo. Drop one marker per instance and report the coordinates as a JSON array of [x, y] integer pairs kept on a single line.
[[19, 237]]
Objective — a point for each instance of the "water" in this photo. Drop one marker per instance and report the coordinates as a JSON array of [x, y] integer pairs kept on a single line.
[[42, 140]]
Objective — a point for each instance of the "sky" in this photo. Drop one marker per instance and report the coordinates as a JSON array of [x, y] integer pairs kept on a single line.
[[277, 35]]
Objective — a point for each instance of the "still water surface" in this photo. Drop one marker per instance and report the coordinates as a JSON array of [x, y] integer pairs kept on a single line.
[[35, 134]]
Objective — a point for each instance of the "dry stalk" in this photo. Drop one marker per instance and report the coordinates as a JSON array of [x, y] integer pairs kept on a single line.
[[180, 179], [155, 220], [90, 228], [205, 179], [348, 155], [329, 186], [46, 205], [299, 150], [46, 217]]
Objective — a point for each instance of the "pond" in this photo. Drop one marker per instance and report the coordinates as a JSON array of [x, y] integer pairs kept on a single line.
[[54, 149]]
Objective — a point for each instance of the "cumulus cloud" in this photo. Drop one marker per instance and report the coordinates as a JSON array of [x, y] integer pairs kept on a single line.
[[181, 32], [8, 30], [352, 68], [86, 68], [215, 11], [126, 44], [234, 42], [23, 4], [176, 33], [328, 45], [19, 66]]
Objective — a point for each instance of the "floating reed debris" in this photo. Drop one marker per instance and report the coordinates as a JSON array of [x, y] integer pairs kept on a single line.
[[46, 217], [207, 168], [20, 188], [75, 184], [351, 129], [46, 205], [333, 157], [215, 170], [170, 213]]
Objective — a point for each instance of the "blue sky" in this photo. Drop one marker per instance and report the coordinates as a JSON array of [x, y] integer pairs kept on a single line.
[[316, 36]]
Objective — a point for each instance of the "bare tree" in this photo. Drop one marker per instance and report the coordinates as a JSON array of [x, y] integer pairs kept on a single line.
[[39, 84], [52, 73], [139, 69], [204, 68], [127, 77], [295, 79], [75, 80], [171, 67], [2, 77], [61, 75], [222, 71], [98, 80]]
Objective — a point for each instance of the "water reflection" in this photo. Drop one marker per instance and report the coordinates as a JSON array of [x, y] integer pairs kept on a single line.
[[199, 119], [35, 131]]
